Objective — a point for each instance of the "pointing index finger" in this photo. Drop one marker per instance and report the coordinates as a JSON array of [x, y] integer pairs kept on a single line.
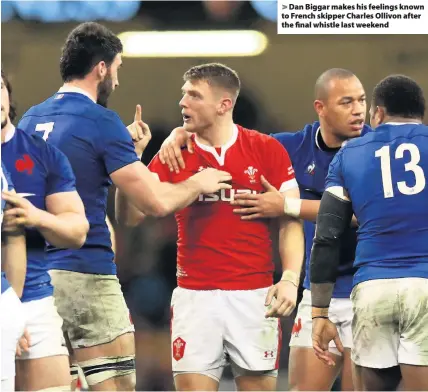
[[137, 116]]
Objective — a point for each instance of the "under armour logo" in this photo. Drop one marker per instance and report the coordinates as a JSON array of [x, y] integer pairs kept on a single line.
[[269, 354]]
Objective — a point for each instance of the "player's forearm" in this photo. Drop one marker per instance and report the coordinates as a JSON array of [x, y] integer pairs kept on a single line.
[[14, 260], [302, 208], [333, 219], [149, 195], [309, 211], [126, 213], [291, 247], [175, 197], [65, 230]]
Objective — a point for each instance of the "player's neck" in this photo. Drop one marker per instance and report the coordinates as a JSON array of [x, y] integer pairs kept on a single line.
[[8, 128], [84, 85], [329, 139], [402, 120], [216, 136]]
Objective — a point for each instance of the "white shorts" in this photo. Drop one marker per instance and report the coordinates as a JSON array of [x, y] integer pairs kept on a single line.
[[340, 313], [44, 326], [210, 328], [12, 328], [390, 326]]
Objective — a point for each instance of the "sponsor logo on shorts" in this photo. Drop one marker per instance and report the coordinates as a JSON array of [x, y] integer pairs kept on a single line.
[[268, 354], [178, 347]]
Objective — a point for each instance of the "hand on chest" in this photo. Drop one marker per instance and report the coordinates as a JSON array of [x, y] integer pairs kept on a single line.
[[28, 178], [245, 172]]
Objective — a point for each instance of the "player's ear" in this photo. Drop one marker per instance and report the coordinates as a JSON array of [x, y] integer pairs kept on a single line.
[[226, 104], [319, 107], [381, 114], [101, 69]]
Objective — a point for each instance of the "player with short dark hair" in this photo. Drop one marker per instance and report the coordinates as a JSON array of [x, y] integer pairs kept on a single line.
[[401, 96], [380, 178], [341, 108], [84, 48], [224, 306], [101, 152]]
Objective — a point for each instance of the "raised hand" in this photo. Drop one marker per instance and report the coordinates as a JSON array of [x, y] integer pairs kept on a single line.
[[139, 131]]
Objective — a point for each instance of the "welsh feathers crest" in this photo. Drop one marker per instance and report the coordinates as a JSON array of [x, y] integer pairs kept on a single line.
[[251, 171]]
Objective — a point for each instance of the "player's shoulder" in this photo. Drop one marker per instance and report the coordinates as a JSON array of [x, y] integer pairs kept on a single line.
[[156, 165], [366, 130], [253, 136], [110, 122], [74, 106], [38, 146], [294, 141], [367, 136], [31, 140], [108, 114], [402, 129], [37, 110]]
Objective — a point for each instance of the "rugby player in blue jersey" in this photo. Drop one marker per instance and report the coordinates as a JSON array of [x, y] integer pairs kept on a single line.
[[13, 264], [101, 152], [381, 179], [50, 209]]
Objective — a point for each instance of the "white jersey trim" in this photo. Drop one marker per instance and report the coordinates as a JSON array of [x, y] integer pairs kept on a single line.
[[10, 134], [78, 90], [220, 158]]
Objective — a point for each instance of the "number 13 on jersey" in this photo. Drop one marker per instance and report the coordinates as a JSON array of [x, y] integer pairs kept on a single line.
[[385, 165]]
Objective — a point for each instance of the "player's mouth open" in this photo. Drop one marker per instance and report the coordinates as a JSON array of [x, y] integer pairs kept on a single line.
[[186, 118], [357, 125]]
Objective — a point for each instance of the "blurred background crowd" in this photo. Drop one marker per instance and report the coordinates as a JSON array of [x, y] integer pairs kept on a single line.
[[161, 41]]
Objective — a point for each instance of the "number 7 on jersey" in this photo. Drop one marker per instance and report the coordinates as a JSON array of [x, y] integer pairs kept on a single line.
[[46, 128]]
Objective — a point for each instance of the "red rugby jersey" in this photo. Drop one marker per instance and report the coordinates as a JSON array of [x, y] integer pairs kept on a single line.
[[216, 249]]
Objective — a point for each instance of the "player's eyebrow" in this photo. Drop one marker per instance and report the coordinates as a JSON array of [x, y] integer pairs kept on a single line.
[[191, 92], [346, 98], [350, 99]]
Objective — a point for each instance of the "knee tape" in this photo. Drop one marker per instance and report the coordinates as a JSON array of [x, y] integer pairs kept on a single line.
[[103, 368], [74, 372]]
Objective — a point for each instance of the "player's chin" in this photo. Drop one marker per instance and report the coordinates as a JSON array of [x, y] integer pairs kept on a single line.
[[189, 127], [354, 132]]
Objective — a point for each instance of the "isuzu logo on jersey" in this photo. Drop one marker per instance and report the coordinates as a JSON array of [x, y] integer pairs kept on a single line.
[[224, 195]]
